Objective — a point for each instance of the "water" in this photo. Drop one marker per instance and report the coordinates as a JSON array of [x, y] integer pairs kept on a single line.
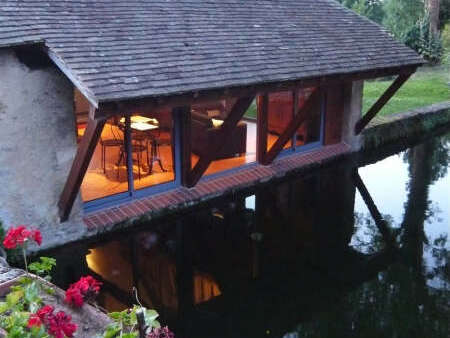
[[303, 258]]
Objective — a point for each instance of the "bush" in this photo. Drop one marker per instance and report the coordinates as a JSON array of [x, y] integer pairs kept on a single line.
[[424, 41]]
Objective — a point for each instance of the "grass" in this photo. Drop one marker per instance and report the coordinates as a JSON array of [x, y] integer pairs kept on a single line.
[[429, 85]]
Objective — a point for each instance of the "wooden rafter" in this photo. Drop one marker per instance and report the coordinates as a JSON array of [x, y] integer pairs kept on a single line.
[[79, 166], [293, 126], [220, 139], [381, 102]]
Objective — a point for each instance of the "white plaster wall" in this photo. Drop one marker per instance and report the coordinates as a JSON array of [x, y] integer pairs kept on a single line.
[[352, 114], [37, 146]]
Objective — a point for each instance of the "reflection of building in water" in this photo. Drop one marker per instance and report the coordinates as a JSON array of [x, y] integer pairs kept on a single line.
[[152, 270], [228, 249]]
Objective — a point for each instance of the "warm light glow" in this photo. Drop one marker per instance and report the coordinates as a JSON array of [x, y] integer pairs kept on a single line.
[[141, 119], [143, 126], [217, 123]]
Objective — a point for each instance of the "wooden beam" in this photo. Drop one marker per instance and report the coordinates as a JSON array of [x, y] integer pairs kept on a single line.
[[167, 103], [80, 164], [387, 95], [262, 122], [225, 131], [184, 115], [293, 126]]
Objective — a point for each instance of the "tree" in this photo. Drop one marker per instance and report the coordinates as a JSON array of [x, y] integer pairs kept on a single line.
[[372, 9], [433, 7], [401, 15]]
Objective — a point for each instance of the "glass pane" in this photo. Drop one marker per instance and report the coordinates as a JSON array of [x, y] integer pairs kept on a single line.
[[280, 114], [107, 171], [152, 149], [309, 131], [237, 150]]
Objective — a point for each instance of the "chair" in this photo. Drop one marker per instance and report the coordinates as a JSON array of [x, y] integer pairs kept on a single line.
[[160, 137], [115, 141]]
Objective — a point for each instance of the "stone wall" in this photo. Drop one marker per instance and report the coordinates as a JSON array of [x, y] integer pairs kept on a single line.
[[37, 146], [352, 113]]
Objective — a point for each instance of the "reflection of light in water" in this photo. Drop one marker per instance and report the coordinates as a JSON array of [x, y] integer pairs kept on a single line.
[[205, 288], [250, 202], [157, 270]]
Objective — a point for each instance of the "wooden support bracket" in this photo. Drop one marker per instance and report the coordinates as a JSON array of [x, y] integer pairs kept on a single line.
[[79, 166], [387, 95], [293, 126], [220, 139]]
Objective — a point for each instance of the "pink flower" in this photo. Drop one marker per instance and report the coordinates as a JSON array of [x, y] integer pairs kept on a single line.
[[162, 332], [84, 290], [19, 235]]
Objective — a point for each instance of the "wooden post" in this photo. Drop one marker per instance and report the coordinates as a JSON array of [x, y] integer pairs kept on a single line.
[[184, 116], [262, 126], [80, 164], [387, 95]]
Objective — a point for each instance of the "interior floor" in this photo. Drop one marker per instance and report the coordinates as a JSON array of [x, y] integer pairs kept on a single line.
[[100, 182]]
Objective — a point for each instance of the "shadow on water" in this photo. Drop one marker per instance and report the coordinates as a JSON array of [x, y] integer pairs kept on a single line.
[[293, 260]]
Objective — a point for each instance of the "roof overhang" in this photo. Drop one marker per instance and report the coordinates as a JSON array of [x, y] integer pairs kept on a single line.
[[107, 109]]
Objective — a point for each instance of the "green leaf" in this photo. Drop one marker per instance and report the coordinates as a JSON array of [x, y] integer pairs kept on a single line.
[[4, 307], [44, 267], [14, 297], [115, 315], [150, 315], [130, 335], [112, 331]]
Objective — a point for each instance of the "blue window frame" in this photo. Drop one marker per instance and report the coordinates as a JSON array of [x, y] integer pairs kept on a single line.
[[312, 145], [133, 193]]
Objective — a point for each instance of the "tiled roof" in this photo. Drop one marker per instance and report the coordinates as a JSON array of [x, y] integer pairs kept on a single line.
[[117, 49]]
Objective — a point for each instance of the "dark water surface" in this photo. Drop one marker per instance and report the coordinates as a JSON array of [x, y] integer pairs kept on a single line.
[[303, 258]]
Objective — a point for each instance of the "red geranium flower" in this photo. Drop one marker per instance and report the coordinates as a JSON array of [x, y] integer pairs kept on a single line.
[[44, 312], [58, 325], [84, 290], [34, 320], [19, 235]]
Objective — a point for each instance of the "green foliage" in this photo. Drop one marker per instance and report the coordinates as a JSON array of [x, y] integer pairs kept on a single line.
[[421, 38], [43, 268], [401, 15], [372, 9], [125, 322], [16, 326]]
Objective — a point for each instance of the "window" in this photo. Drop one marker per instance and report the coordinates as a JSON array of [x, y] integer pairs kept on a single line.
[[133, 154], [281, 113], [238, 150]]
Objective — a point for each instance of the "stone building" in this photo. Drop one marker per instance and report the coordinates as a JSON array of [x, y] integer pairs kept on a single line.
[[115, 112]]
